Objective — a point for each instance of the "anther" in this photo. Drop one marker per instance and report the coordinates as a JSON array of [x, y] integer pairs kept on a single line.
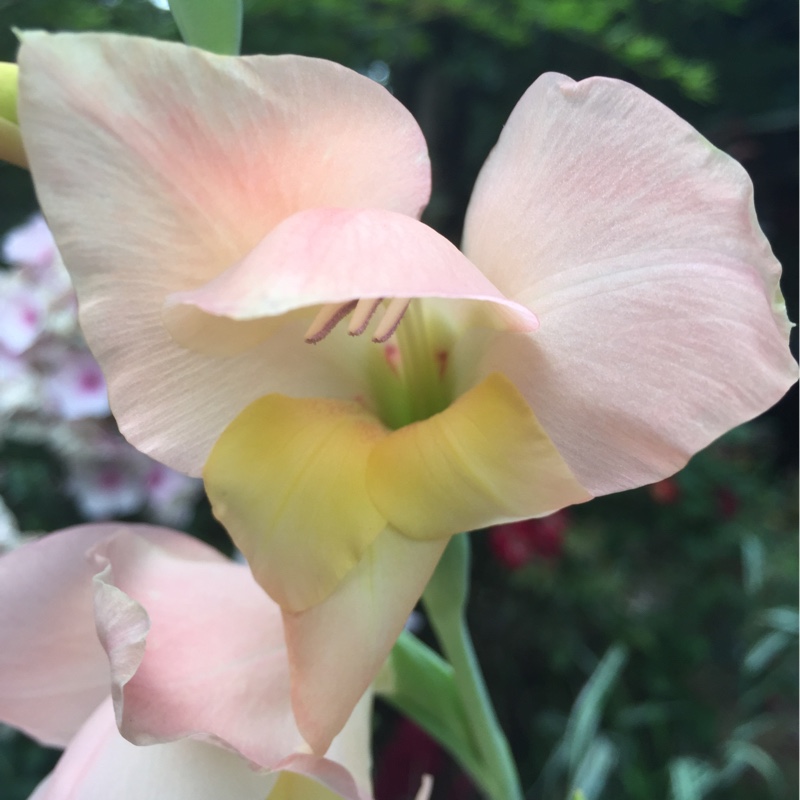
[[362, 314], [326, 320], [391, 319]]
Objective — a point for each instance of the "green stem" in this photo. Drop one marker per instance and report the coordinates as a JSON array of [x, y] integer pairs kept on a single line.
[[445, 601]]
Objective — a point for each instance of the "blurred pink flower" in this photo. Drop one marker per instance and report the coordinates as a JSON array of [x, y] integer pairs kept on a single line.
[[51, 385], [74, 386], [107, 478], [30, 244], [171, 495], [22, 313]]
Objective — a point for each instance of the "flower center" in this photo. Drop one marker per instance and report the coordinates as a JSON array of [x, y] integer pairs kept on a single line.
[[410, 376]]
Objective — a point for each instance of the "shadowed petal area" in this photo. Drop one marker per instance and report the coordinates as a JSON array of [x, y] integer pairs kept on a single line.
[[291, 786], [99, 763], [350, 749], [159, 166], [196, 650], [337, 647], [331, 255], [287, 480], [482, 461], [11, 147], [636, 243]]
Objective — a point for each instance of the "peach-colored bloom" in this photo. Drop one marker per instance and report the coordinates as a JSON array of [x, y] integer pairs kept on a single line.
[[199, 677], [615, 308]]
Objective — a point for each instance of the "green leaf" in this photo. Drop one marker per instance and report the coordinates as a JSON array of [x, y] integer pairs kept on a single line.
[[765, 650], [753, 558], [782, 618], [585, 717], [214, 25], [690, 779], [751, 755], [421, 686], [594, 769]]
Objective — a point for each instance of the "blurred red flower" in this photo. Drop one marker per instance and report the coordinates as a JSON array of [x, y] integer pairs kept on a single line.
[[515, 544]]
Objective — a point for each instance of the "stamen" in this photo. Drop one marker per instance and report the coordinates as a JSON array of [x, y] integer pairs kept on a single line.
[[391, 319], [364, 310], [326, 320]]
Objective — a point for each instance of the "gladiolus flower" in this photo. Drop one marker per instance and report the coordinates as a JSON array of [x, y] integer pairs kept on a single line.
[[199, 674], [227, 223]]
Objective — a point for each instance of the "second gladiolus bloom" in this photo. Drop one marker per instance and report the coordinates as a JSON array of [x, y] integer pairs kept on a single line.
[[270, 313], [198, 683]]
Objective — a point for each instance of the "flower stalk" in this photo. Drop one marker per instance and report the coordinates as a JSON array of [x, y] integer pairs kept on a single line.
[[445, 601]]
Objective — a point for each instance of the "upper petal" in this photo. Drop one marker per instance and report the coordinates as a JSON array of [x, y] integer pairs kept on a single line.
[[333, 255], [636, 243], [100, 763], [159, 166]]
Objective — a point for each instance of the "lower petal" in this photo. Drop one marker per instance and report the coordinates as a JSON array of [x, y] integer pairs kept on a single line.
[[482, 461], [337, 647], [287, 480], [53, 671], [196, 651], [99, 763]]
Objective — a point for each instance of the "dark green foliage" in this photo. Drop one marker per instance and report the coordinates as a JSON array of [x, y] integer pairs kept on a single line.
[[700, 592]]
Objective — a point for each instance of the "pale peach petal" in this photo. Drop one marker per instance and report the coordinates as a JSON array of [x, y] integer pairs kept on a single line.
[[99, 763], [184, 162], [636, 244], [196, 650], [337, 647], [333, 256], [53, 671], [352, 748]]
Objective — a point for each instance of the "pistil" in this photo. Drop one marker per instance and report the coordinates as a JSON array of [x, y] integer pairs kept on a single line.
[[410, 377]]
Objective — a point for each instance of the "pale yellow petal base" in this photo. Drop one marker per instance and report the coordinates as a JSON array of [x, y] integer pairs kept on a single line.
[[483, 460], [287, 479]]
